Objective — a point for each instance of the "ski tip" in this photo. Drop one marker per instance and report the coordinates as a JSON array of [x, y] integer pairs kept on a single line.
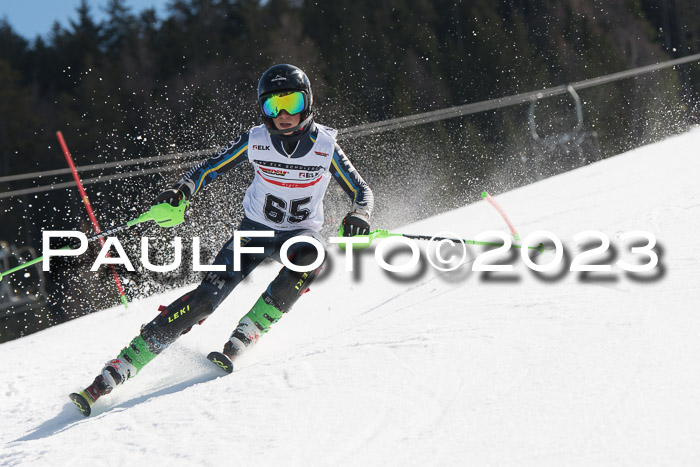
[[221, 360], [81, 403]]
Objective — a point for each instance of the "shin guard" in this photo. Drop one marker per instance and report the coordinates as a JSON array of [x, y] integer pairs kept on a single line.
[[176, 319]]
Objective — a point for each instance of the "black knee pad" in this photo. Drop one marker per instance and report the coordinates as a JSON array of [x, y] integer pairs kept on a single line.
[[176, 319]]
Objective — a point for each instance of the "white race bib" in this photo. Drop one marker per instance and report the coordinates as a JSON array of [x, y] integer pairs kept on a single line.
[[287, 193]]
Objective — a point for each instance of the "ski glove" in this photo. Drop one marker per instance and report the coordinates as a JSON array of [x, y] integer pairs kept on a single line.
[[355, 223], [171, 196]]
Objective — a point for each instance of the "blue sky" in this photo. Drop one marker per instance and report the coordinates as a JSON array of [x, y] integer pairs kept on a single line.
[[30, 18]]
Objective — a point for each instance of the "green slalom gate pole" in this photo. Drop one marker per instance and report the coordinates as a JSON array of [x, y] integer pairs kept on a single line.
[[377, 234]]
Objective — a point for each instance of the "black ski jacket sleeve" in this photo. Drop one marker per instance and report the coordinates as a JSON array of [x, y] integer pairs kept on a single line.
[[352, 183], [233, 155]]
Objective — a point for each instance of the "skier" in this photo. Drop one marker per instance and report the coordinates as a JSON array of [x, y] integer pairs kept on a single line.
[[293, 160]]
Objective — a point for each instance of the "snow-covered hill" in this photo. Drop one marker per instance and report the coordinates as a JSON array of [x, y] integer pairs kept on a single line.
[[431, 369]]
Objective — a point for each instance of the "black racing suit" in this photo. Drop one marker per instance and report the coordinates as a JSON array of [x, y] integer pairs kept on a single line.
[[193, 307]]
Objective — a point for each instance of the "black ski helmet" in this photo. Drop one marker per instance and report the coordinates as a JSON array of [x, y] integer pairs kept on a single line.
[[283, 77]]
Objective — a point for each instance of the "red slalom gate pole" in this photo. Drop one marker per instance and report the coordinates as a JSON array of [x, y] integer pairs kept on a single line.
[[492, 202], [91, 214]]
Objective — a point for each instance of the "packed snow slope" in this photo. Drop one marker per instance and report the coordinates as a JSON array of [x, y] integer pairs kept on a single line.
[[424, 369]]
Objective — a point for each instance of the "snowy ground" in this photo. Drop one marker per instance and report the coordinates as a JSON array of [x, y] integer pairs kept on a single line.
[[434, 369]]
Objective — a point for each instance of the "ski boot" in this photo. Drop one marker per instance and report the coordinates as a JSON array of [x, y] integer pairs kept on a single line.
[[84, 399], [224, 360], [255, 323], [130, 360]]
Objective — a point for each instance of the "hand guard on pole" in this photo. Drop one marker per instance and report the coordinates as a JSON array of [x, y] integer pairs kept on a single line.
[[172, 196], [168, 209], [355, 223]]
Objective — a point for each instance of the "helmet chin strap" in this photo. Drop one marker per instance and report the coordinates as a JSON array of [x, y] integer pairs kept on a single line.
[[274, 131]]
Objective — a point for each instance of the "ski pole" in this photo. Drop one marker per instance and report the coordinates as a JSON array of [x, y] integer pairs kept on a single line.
[[539, 247], [142, 218], [377, 234], [162, 214]]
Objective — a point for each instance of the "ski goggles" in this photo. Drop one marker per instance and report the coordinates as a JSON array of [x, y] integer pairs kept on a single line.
[[292, 102]]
